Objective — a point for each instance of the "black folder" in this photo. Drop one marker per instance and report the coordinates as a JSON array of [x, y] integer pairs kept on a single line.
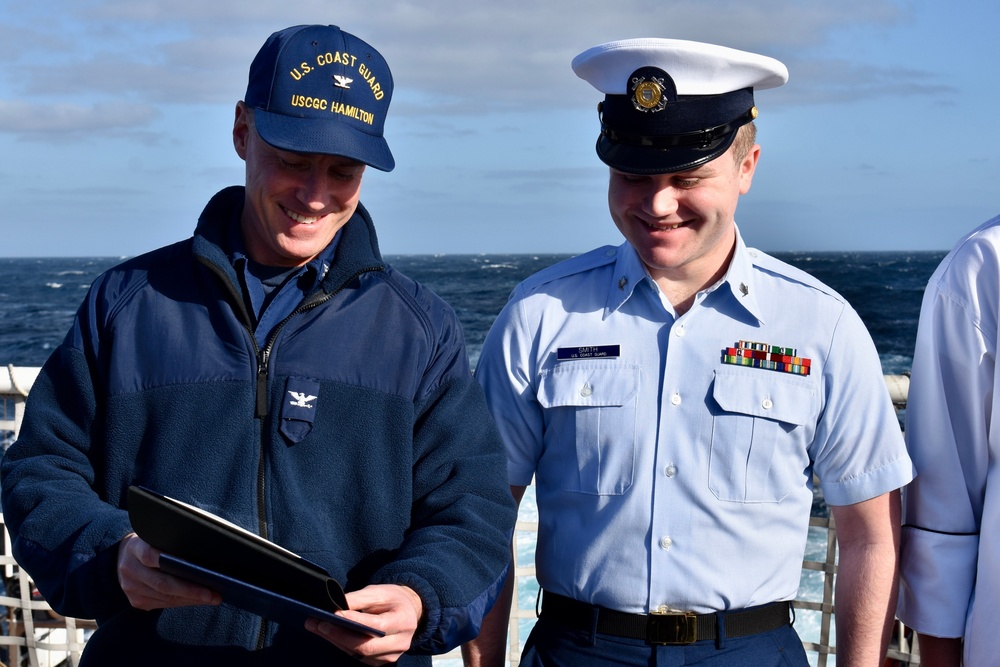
[[247, 570]]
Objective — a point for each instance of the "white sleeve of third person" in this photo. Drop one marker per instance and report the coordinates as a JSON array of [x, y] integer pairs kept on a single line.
[[948, 415]]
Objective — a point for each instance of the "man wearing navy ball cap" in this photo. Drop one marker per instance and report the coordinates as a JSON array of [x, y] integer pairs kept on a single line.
[[275, 371], [673, 396]]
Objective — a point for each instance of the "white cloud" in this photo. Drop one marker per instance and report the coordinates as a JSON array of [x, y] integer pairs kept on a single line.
[[464, 57], [30, 119], [492, 132]]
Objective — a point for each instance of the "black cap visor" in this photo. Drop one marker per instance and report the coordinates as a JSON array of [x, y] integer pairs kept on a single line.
[[639, 159], [685, 133]]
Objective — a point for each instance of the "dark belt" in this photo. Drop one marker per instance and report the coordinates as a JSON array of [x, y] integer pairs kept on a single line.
[[667, 628]]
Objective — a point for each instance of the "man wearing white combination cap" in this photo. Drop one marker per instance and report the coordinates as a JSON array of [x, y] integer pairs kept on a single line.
[[672, 398]]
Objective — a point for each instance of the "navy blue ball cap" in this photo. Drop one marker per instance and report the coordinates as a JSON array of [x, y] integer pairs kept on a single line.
[[318, 89], [671, 105]]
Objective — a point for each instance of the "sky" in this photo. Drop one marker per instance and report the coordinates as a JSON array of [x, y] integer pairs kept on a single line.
[[116, 119]]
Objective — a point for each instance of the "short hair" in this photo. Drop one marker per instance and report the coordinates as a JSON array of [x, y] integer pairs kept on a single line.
[[746, 137]]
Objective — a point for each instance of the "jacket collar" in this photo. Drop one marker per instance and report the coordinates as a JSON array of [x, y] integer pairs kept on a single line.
[[357, 249]]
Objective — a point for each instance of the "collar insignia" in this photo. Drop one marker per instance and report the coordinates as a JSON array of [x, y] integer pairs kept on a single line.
[[341, 81], [301, 399], [768, 357]]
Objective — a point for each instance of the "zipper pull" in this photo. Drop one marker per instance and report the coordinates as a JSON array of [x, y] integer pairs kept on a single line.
[[262, 387]]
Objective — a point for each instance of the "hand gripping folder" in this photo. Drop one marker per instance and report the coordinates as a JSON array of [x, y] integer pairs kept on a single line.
[[247, 570]]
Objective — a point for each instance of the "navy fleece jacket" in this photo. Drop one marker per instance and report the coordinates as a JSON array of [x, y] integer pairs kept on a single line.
[[395, 475]]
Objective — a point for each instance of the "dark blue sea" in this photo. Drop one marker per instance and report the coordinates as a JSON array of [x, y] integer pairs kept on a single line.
[[38, 297]]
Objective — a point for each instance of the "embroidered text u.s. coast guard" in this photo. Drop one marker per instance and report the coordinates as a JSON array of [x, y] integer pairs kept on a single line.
[[588, 352]]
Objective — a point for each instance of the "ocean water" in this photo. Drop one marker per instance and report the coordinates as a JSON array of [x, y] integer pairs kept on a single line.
[[38, 297]]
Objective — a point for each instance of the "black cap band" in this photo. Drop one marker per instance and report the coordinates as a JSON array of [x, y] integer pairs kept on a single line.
[[679, 133], [699, 138]]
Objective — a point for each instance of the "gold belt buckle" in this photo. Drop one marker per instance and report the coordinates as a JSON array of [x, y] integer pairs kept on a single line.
[[667, 626]]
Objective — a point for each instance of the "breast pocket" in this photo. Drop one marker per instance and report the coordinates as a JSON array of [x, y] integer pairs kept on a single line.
[[591, 422], [761, 430]]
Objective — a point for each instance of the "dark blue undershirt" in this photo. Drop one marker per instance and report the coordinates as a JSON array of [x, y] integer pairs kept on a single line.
[[271, 293]]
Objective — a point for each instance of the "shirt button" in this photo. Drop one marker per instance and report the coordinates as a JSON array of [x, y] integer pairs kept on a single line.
[[666, 543], [586, 390], [675, 399], [767, 404], [670, 470], [680, 331]]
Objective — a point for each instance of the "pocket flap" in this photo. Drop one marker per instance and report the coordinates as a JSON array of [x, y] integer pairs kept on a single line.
[[298, 408], [587, 385], [793, 400]]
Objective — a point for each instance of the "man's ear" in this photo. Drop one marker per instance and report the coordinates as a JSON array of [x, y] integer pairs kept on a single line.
[[241, 130], [747, 167]]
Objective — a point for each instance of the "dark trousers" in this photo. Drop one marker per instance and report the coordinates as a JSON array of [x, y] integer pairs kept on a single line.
[[551, 644]]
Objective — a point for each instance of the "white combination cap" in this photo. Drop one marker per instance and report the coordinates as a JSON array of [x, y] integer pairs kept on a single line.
[[671, 104]]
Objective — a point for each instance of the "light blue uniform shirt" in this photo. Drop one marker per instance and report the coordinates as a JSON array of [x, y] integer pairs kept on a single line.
[[663, 475]]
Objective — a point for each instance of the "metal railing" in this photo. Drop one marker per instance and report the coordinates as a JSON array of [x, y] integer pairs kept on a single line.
[[35, 635], [32, 634]]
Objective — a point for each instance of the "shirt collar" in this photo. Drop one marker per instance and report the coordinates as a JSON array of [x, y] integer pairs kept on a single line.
[[740, 278], [630, 272], [318, 265]]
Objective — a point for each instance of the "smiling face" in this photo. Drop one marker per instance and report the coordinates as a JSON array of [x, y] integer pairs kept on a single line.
[[681, 224], [295, 202]]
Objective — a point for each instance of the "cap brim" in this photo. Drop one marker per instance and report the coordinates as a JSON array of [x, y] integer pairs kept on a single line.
[[646, 160], [311, 135]]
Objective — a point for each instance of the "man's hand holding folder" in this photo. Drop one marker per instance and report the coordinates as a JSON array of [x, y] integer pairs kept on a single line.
[[183, 555], [147, 587], [396, 610]]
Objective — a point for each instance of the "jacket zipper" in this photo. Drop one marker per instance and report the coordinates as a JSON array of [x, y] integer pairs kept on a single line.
[[262, 356]]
